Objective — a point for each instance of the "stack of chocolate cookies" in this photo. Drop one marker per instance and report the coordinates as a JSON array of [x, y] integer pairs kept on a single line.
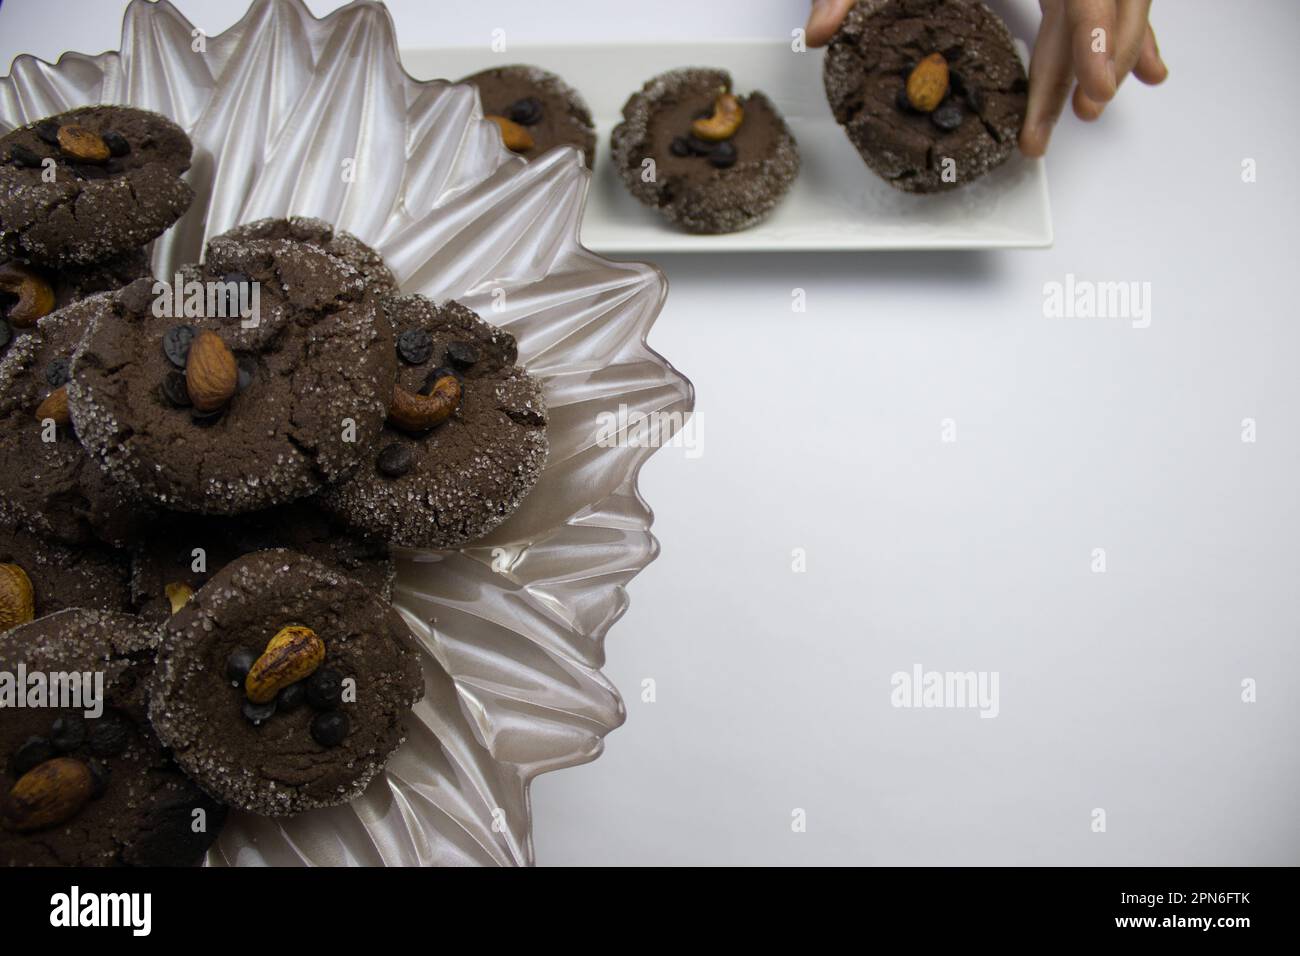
[[201, 477]]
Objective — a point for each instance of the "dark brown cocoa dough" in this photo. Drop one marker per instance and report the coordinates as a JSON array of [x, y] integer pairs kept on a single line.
[[319, 365], [318, 233], [165, 555], [866, 68], [87, 576], [470, 473], [564, 119], [53, 487], [91, 211], [146, 812], [277, 768], [690, 191]]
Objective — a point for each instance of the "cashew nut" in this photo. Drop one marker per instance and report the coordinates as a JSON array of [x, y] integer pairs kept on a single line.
[[420, 412], [35, 296], [727, 116]]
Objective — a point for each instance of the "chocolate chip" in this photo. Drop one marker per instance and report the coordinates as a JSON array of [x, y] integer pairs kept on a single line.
[[98, 777], [415, 346], [48, 132], [32, 752], [432, 378], [723, 155], [67, 733], [698, 146], [526, 112], [20, 155], [291, 698], [975, 98], [109, 735], [258, 714], [680, 147], [331, 729], [395, 460], [902, 102], [238, 664], [175, 390], [176, 343], [462, 354], [56, 373], [117, 143], [206, 419], [246, 368], [325, 688], [947, 117], [705, 113]]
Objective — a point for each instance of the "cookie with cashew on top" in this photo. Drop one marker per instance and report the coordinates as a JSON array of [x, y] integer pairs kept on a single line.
[[465, 438], [536, 110], [707, 158]]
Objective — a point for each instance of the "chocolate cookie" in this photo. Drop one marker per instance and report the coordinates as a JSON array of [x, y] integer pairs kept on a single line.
[[333, 664], [318, 233], [47, 481], [88, 576], [721, 162], [439, 485], [113, 184], [552, 112], [931, 92], [29, 293], [204, 414], [188, 550], [88, 784]]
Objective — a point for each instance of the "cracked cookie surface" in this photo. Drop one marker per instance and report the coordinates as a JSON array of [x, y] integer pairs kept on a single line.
[[322, 235], [145, 814], [317, 369], [868, 63], [468, 474], [277, 768], [57, 210]]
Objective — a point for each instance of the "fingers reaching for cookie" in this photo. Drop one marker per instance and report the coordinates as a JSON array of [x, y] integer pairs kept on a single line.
[[1090, 47]]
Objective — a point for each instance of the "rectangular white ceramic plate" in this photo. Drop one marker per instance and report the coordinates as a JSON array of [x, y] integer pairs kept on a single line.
[[836, 203]]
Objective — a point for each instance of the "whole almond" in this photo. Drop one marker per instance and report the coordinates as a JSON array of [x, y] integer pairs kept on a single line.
[[55, 406], [49, 794], [211, 372], [83, 145], [928, 83], [293, 654], [17, 604]]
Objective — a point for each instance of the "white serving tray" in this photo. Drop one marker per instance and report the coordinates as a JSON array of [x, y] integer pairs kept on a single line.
[[836, 203]]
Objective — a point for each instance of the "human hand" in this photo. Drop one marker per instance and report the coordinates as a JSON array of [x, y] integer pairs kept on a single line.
[[1063, 51], [1069, 48]]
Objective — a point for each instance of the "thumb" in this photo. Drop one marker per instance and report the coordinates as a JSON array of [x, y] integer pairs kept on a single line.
[[825, 19]]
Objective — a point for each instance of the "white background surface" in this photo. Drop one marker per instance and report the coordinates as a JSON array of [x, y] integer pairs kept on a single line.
[[822, 431]]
